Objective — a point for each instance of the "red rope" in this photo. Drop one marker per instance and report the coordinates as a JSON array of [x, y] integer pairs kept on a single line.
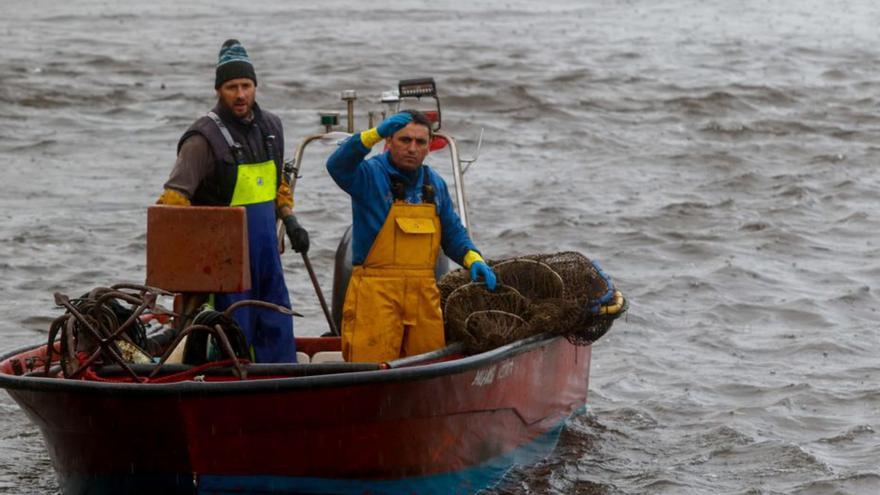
[[91, 375]]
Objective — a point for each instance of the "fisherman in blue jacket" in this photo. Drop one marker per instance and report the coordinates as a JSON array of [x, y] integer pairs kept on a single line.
[[402, 216], [233, 157]]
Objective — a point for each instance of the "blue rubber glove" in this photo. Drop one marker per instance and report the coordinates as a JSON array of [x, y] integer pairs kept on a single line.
[[386, 129], [480, 269], [393, 124]]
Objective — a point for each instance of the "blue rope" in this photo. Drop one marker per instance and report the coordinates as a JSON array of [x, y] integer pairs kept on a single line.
[[595, 305]]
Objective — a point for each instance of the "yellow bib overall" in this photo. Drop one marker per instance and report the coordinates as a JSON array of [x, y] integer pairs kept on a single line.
[[392, 306]]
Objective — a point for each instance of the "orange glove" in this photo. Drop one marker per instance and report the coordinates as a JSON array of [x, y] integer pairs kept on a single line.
[[284, 197], [173, 198]]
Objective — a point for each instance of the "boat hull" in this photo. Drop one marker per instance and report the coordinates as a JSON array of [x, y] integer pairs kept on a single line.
[[447, 427]]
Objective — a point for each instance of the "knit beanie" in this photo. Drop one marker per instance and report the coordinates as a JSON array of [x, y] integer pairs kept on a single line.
[[232, 63]]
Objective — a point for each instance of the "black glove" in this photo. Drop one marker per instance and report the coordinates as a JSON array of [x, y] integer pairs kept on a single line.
[[299, 238]]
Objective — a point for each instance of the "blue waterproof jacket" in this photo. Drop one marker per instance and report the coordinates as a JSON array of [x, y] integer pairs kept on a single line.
[[369, 184]]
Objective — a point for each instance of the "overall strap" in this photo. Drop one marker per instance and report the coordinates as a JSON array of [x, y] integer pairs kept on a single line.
[[271, 154], [269, 140], [427, 187], [398, 188], [237, 152]]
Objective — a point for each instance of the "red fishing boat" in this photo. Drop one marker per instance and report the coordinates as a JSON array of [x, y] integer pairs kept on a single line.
[[437, 424], [444, 422]]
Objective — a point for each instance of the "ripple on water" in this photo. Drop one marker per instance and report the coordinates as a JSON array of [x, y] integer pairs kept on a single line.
[[860, 483]]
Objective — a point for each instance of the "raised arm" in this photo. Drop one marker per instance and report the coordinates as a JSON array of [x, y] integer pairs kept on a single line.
[[344, 163]]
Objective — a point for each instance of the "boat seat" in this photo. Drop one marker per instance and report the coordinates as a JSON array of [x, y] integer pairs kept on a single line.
[[302, 358], [327, 357]]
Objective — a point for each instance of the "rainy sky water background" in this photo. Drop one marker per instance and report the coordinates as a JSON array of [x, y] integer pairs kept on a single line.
[[719, 159]]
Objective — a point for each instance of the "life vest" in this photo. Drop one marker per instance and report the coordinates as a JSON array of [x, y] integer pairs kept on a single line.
[[233, 144]]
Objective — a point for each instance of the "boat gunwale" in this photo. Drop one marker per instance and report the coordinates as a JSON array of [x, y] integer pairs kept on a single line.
[[336, 380]]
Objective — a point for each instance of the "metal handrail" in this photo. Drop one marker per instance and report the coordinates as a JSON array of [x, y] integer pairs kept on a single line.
[[457, 178], [457, 172], [297, 158]]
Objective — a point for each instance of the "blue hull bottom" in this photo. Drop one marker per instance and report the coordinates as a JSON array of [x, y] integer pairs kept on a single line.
[[461, 482], [170, 484]]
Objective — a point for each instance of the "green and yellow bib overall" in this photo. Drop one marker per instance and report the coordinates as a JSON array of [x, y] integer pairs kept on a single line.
[[248, 175]]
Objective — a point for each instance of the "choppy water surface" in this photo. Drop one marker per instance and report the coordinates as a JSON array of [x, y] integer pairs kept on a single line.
[[718, 157]]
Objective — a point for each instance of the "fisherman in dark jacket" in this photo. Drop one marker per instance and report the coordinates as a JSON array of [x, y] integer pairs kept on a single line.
[[233, 157]]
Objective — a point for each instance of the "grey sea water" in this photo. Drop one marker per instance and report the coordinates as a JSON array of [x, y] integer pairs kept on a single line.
[[718, 158]]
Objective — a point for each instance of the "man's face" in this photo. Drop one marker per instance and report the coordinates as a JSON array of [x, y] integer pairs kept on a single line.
[[409, 146], [238, 96]]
